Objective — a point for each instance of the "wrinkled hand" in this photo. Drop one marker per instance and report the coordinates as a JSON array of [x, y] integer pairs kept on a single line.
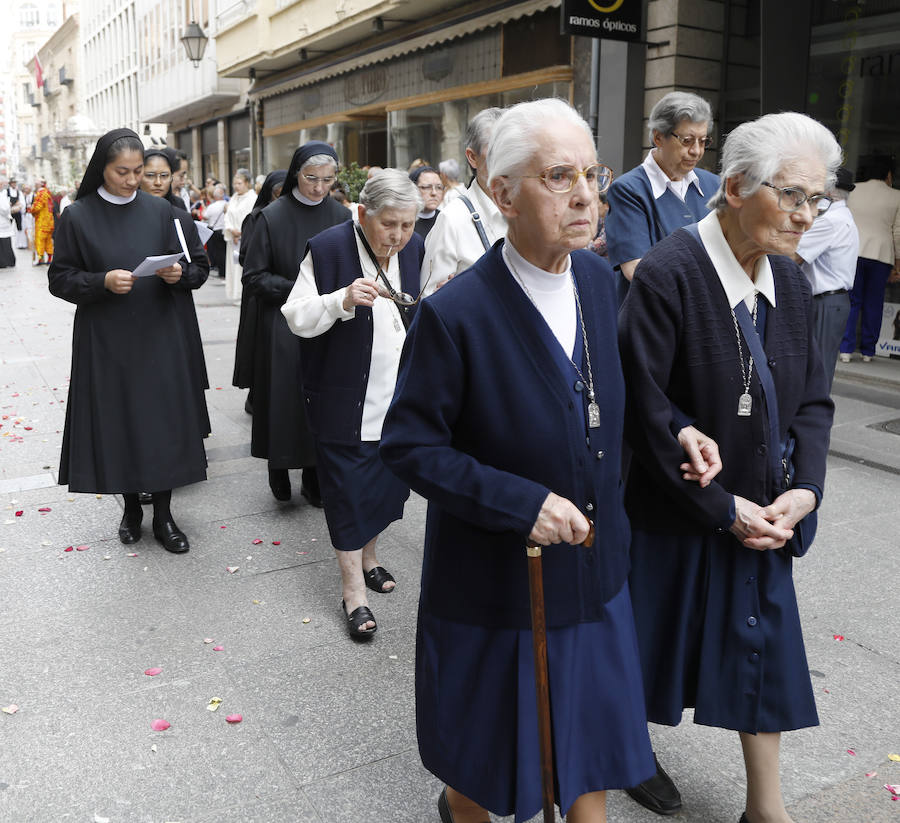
[[703, 456], [119, 281], [444, 282], [559, 521], [753, 528], [171, 274], [789, 508], [361, 292]]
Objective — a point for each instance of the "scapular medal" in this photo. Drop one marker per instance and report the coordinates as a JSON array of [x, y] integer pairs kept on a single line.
[[745, 404], [593, 412]]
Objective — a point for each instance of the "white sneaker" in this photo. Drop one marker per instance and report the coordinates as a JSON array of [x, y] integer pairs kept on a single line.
[[845, 358], [867, 359]]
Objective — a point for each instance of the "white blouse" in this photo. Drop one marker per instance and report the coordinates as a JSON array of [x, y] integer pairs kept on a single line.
[[310, 314]]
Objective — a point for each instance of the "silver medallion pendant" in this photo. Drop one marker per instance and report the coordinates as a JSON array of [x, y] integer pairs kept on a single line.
[[745, 404], [594, 415]]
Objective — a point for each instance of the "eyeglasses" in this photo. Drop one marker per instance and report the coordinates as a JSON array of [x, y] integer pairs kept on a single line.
[[562, 179], [432, 187], [792, 199], [312, 179], [162, 176], [689, 141]]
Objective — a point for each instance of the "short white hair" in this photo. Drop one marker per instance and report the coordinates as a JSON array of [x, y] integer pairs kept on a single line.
[[390, 189], [319, 160], [759, 149], [449, 168], [675, 107], [518, 132]]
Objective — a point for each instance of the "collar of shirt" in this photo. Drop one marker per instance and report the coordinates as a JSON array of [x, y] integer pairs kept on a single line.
[[305, 200], [737, 285], [119, 200], [659, 180], [426, 215]]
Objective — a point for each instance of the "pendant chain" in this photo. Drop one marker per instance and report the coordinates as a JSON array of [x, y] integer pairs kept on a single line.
[[746, 372]]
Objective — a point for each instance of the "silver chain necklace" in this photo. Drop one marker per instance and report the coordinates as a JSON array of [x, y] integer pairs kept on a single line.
[[593, 410], [745, 401]]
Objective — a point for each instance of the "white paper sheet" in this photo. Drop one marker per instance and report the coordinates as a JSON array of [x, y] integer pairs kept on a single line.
[[158, 261], [180, 232], [204, 231]]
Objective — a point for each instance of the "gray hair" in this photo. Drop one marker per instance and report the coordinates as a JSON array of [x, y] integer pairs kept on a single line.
[[319, 160], [675, 107], [759, 149], [518, 132], [478, 134], [245, 173], [390, 189], [449, 168], [219, 189]]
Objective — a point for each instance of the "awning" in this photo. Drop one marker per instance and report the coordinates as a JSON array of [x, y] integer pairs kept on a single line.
[[443, 34]]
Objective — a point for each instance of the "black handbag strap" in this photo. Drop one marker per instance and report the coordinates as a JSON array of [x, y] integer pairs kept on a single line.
[[476, 220], [404, 311]]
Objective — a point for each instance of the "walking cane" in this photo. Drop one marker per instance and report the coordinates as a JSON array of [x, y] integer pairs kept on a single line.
[[541, 674]]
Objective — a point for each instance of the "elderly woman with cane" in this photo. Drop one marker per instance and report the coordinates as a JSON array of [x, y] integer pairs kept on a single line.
[[719, 325], [508, 418]]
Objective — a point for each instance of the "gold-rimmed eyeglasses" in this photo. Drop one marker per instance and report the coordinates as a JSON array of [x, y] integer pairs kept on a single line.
[[562, 178], [689, 140], [791, 199]]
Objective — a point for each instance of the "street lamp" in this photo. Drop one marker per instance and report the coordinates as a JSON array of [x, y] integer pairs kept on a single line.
[[194, 42]]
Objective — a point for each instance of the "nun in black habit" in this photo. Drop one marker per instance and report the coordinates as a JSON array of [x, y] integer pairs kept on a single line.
[[246, 334], [277, 246], [132, 422], [157, 164]]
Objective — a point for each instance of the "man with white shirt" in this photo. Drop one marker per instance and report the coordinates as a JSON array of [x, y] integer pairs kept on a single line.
[[472, 223], [667, 191], [215, 219], [827, 254]]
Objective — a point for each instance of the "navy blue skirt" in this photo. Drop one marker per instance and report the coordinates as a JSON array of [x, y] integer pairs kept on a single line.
[[719, 630], [476, 710], [361, 496]]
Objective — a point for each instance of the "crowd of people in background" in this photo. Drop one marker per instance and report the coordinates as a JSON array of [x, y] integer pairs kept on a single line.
[[491, 343]]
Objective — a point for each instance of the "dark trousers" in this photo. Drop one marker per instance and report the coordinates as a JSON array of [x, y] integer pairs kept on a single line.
[[867, 298], [830, 313], [215, 249]]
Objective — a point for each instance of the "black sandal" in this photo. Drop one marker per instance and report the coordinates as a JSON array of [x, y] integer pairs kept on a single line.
[[358, 618], [377, 577]]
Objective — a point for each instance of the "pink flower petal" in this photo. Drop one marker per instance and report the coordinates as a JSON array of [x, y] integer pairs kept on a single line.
[[69, 549], [153, 672], [893, 789], [871, 774], [850, 751], [45, 509], [218, 648], [223, 527], [838, 637], [276, 542], [257, 541], [234, 718], [131, 554], [160, 725], [81, 548]]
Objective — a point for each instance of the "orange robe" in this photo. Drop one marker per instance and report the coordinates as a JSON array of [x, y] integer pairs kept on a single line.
[[42, 209]]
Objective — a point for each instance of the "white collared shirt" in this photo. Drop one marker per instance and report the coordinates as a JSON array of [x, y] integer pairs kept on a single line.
[[660, 181], [310, 314], [737, 285], [453, 243], [830, 248]]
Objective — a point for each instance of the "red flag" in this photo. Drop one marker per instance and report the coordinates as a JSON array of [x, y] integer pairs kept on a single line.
[[38, 72]]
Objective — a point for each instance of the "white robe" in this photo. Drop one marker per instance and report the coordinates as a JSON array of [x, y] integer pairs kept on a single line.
[[239, 207]]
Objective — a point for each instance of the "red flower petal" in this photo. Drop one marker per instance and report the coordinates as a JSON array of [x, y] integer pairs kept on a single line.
[[850, 751], [153, 672], [838, 637], [19, 513], [69, 549], [160, 725], [28, 428], [45, 509], [276, 542], [257, 541], [234, 718]]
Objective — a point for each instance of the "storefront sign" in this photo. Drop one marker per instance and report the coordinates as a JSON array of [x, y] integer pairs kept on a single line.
[[607, 19], [365, 86]]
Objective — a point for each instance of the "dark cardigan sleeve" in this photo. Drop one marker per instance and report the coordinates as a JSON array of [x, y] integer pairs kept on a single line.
[[650, 325], [258, 278], [416, 441]]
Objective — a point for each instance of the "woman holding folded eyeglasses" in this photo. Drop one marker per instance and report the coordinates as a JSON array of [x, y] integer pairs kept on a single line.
[[351, 304], [718, 329]]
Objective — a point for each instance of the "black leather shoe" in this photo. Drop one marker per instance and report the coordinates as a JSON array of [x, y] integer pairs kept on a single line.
[[130, 529], [312, 497], [280, 484], [659, 793], [444, 809], [172, 538]]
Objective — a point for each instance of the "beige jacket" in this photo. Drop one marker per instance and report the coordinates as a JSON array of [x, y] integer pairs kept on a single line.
[[875, 207]]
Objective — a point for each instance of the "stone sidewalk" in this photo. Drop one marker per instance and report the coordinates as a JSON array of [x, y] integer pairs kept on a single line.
[[328, 730]]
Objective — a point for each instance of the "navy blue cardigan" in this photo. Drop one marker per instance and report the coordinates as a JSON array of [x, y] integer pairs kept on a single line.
[[336, 363], [486, 421], [679, 348]]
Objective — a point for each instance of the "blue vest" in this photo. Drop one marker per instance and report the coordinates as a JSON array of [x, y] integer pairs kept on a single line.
[[336, 363]]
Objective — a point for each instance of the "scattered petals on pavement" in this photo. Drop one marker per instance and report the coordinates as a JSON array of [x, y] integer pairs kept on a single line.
[[838, 637], [234, 718], [257, 541], [45, 509], [160, 725], [153, 672], [69, 549], [19, 513], [894, 789], [214, 703], [850, 751], [276, 542]]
